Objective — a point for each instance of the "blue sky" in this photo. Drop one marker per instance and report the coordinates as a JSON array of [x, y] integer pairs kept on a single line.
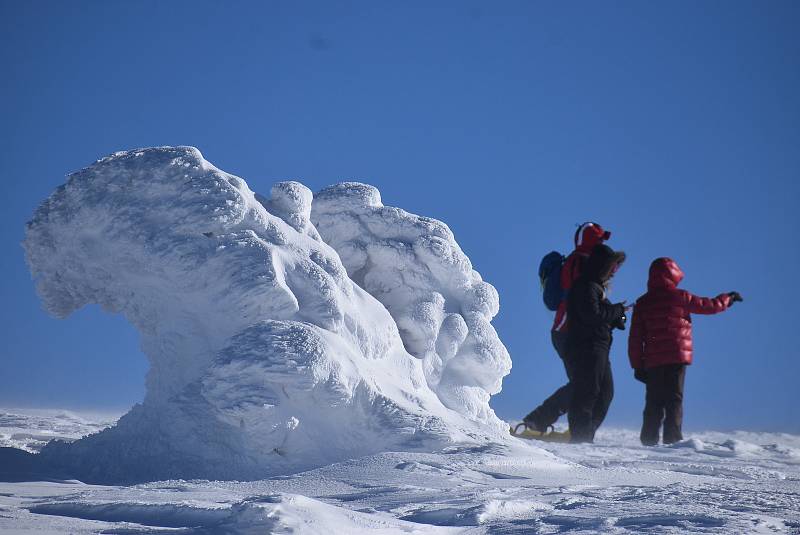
[[676, 125]]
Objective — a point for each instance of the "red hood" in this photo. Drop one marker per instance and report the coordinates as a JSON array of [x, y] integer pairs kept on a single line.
[[664, 273], [588, 236]]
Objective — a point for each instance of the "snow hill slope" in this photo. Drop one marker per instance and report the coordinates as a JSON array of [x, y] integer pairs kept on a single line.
[[265, 356]]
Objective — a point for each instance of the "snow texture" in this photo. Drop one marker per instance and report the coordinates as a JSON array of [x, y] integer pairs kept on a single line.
[[30, 429], [268, 354], [413, 265], [711, 483]]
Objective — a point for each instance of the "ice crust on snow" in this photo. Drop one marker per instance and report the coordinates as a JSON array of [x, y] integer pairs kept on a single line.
[[282, 333]]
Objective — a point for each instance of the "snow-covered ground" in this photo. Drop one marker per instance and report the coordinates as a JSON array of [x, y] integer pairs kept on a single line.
[[710, 483], [31, 429]]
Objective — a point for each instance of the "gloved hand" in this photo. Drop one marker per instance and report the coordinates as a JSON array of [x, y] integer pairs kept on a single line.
[[621, 319], [735, 296], [640, 375]]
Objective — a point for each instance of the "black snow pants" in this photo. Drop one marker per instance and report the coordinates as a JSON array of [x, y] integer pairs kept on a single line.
[[557, 404], [592, 392], [664, 403]]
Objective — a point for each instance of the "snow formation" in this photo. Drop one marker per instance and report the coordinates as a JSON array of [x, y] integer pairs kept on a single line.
[[273, 340], [413, 265]]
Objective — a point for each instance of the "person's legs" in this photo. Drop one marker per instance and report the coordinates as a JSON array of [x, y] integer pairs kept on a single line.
[[586, 372], [557, 404], [654, 407], [606, 382], [673, 398]]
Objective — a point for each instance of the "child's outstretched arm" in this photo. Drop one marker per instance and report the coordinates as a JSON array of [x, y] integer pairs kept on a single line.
[[636, 341], [707, 305]]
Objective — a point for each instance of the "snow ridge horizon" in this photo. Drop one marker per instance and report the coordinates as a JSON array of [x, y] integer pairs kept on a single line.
[[283, 333]]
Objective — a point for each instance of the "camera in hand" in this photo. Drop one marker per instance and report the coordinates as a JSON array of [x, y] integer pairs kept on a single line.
[[620, 323]]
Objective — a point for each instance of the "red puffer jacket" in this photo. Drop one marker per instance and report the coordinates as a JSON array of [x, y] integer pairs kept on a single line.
[[661, 327]]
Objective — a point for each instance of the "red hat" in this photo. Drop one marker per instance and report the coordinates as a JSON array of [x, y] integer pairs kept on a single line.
[[590, 234]]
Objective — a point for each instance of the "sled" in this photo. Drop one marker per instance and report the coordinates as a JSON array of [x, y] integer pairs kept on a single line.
[[531, 434]]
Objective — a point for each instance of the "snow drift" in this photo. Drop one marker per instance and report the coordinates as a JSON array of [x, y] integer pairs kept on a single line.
[[273, 341]]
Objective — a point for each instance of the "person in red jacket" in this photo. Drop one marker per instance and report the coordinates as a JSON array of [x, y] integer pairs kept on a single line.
[[660, 346], [586, 237]]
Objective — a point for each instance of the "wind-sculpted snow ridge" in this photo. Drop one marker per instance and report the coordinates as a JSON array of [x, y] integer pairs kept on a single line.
[[265, 357], [413, 265]]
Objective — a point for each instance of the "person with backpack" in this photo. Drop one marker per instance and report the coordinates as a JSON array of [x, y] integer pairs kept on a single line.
[[660, 346], [557, 275], [591, 319]]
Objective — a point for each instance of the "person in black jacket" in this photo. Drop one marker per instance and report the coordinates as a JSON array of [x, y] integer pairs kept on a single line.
[[591, 318]]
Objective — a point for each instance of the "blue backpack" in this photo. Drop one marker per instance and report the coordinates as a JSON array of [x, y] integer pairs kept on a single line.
[[550, 277]]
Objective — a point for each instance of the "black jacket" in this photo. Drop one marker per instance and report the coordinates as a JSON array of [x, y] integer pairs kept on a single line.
[[591, 316]]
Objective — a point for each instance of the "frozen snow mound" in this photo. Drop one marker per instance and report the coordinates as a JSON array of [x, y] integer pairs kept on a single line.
[[265, 356], [413, 265]]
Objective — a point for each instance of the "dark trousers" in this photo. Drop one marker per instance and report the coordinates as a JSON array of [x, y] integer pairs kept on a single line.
[[664, 403], [557, 404], [592, 392]]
